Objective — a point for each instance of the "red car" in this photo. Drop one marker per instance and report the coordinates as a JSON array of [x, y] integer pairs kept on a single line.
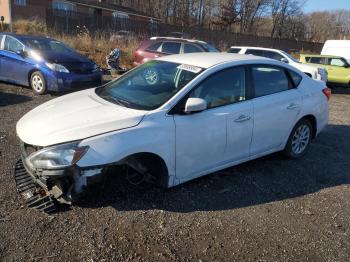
[[162, 46]]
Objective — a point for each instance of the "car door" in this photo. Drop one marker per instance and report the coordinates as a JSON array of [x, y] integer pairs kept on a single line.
[[15, 67], [276, 106], [338, 70], [222, 133]]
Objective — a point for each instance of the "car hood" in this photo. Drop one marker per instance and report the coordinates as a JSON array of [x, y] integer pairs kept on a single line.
[[74, 117], [60, 57]]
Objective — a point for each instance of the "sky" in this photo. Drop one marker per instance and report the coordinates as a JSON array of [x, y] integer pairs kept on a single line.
[[326, 5]]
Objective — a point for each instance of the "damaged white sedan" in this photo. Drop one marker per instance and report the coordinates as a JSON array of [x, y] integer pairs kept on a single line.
[[170, 120]]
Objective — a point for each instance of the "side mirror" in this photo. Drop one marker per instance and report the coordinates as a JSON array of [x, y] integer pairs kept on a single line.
[[21, 53], [284, 60], [194, 105]]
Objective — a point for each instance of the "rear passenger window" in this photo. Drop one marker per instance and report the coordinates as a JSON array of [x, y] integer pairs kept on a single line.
[[171, 47], [316, 60], [191, 49], [234, 50], [273, 55], [269, 80], [254, 52], [154, 47], [295, 77], [12, 45]]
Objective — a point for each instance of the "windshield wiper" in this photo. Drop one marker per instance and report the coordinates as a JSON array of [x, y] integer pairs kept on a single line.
[[116, 100]]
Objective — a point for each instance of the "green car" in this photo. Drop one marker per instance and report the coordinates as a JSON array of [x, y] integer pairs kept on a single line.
[[338, 67]]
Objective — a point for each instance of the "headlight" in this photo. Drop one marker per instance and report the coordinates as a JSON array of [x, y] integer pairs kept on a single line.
[[57, 157], [57, 67]]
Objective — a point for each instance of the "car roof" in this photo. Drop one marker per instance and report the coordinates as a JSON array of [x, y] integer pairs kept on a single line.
[[257, 48], [177, 39], [210, 59]]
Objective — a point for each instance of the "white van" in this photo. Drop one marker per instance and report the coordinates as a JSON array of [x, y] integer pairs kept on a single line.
[[337, 48]]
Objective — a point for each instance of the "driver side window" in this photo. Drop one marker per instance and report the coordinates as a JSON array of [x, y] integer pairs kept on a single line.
[[223, 88], [12, 45], [336, 62]]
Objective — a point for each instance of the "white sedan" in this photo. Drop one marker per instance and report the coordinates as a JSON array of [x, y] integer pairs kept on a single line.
[[314, 72], [170, 120]]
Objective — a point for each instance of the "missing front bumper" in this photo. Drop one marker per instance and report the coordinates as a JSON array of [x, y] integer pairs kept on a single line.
[[44, 190], [34, 195]]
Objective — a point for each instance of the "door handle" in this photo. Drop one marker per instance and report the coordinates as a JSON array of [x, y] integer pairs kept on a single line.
[[242, 118], [292, 106]]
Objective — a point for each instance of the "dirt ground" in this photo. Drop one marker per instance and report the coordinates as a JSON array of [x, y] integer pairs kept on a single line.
[[270, 209]]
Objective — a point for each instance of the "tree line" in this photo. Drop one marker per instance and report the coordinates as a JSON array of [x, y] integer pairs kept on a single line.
[[273, 18]]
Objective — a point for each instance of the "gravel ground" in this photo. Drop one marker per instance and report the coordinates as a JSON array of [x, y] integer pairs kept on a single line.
[[270, 209]]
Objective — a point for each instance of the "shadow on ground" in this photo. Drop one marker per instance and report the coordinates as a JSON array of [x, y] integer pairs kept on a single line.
[[341, 90], [7, 99], [265, 180]]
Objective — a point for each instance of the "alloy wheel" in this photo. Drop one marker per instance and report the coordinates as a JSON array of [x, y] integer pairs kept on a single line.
[[37, 83], [301, 139]]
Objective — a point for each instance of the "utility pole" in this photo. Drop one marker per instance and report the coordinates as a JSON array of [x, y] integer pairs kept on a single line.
[[10, 15]]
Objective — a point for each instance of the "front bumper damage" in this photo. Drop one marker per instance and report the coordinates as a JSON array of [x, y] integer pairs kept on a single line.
[[43, 189]]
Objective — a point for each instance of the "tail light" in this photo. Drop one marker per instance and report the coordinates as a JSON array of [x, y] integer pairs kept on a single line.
[[138, 56], [327, 92]]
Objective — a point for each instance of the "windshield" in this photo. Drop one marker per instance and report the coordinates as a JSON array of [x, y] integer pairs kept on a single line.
[[211, 48], [42, 44], [291, 57], [150, 85]]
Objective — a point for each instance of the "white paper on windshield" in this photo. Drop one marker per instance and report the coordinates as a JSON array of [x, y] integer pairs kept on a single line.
[[190, 68]]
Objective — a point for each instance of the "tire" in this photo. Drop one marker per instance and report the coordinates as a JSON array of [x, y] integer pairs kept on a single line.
[[299, 139], [38, 83]]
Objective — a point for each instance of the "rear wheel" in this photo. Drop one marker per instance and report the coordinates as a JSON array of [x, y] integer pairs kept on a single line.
[[38, 83], [299, 139]]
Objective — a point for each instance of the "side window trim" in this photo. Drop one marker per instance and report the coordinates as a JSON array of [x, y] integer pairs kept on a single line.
[[178, 107], [273, 66], [2, 39]]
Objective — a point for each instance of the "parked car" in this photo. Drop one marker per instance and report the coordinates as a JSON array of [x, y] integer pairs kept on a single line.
[[315, 72], [162, 46], [338, 67], [337, 48], [45, 64], [170, 120]]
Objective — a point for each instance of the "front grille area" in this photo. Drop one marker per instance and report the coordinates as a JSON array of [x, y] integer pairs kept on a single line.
[[85, 84], [79, 68]]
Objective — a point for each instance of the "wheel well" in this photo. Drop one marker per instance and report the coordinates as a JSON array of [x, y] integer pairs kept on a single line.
[[30, 74], [153, 163], [313, 123]]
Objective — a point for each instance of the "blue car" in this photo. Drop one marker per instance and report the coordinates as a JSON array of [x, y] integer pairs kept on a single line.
[[45, 64]]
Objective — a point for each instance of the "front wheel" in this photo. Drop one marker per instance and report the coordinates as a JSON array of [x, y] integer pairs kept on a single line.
[[299, 139], [38, 83]]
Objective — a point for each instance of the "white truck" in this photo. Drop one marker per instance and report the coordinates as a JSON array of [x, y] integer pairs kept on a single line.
[[337, 48]]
